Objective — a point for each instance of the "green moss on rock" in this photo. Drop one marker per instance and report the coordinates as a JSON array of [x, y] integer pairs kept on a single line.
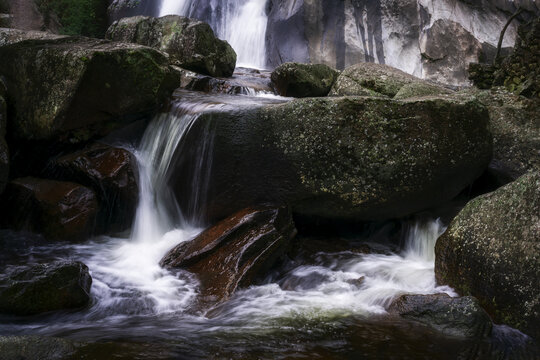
[[303, 80]]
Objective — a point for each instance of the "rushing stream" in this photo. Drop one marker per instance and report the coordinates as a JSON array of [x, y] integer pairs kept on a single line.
[[330, 303]]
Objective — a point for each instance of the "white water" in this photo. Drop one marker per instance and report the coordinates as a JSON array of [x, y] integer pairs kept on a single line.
[[241, 22]]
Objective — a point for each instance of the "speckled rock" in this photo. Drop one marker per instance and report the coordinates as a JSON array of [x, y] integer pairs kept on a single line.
[[514, 122], [461, 316], [355, 158], [44, 287], [73, 89], [191, 44], [35, 347], [303, 80], [491, 251], [419, 89]]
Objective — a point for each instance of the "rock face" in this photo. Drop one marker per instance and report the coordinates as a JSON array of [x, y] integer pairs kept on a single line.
[[112, 174], [303, 80], [58, 210], [4, 152], [369, 79], [48, 287], [460, 316], [492, 251], [191, 44], [447, 48], [351, 158], [234, 252], [74, 89], [35, 347]]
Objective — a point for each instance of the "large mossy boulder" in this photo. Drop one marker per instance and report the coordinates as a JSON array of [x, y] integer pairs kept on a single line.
[[491, 251], [461, 316], [58, 210], [354, 158], [74, 89], [112, 173], [370, 79], [303, 80], [191, 44], [235, 252], [44, 287]]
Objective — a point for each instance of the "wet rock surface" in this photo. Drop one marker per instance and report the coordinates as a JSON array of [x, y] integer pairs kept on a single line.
[[58, 210], [35, 347], [44, 287], [111, 173], [350, 158], [462, 316], [75, 89], [235, 252], [491, 251], [303, 80], [191, 44]]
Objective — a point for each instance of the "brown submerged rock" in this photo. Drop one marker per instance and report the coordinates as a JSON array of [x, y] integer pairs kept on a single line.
[[111, 172], [234, 252], [491, 251], [58, 210]]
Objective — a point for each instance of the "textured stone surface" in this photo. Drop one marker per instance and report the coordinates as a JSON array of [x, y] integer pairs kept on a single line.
[[191, 44], [44, 287], [491, 251], [351, 157], [303, 80], [78, 88], [58, 210], [235, 252], [460, 316], [35, 347]]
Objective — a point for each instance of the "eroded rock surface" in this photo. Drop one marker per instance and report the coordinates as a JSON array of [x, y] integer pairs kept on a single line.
[[303, 80]]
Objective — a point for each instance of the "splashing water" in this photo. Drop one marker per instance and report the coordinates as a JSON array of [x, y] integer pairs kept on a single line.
[[241, 22]]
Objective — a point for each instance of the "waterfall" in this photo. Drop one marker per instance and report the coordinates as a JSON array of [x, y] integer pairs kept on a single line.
[[241, 22]]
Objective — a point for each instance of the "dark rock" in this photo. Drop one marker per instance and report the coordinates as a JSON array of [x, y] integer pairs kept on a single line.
[[482, 75], [514, 122], [235, 252], [303, 80], [460, 316], [119, 9], [342, 158], [34, 348], [191, 44], [4, 152], [75, 89], [58, 210], [112, 174], [13, 36], [491, 251], [447, 48], [45, 287]]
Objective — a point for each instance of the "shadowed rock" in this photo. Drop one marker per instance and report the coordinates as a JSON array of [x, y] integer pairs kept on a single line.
[[35, 347], [303, 80], [45, 287], [491, 251], [235, 252], [460, 316], [4, 152], [58, 210], [111, 172]]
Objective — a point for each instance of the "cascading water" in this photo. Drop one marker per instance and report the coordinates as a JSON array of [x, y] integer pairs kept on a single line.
[[241, 22]]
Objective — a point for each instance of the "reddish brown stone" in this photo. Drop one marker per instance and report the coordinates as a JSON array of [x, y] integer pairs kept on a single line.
[[234, 252], [111, 173], [58, 210]]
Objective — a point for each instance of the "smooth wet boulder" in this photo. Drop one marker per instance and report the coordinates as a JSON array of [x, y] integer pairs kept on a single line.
[[191, 44], [303, 80], [35, 347], [352, 158], [58, 210], [112, 173], [491, 251], [74, 89], [41, 288], [461, 316], [235, 252]]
